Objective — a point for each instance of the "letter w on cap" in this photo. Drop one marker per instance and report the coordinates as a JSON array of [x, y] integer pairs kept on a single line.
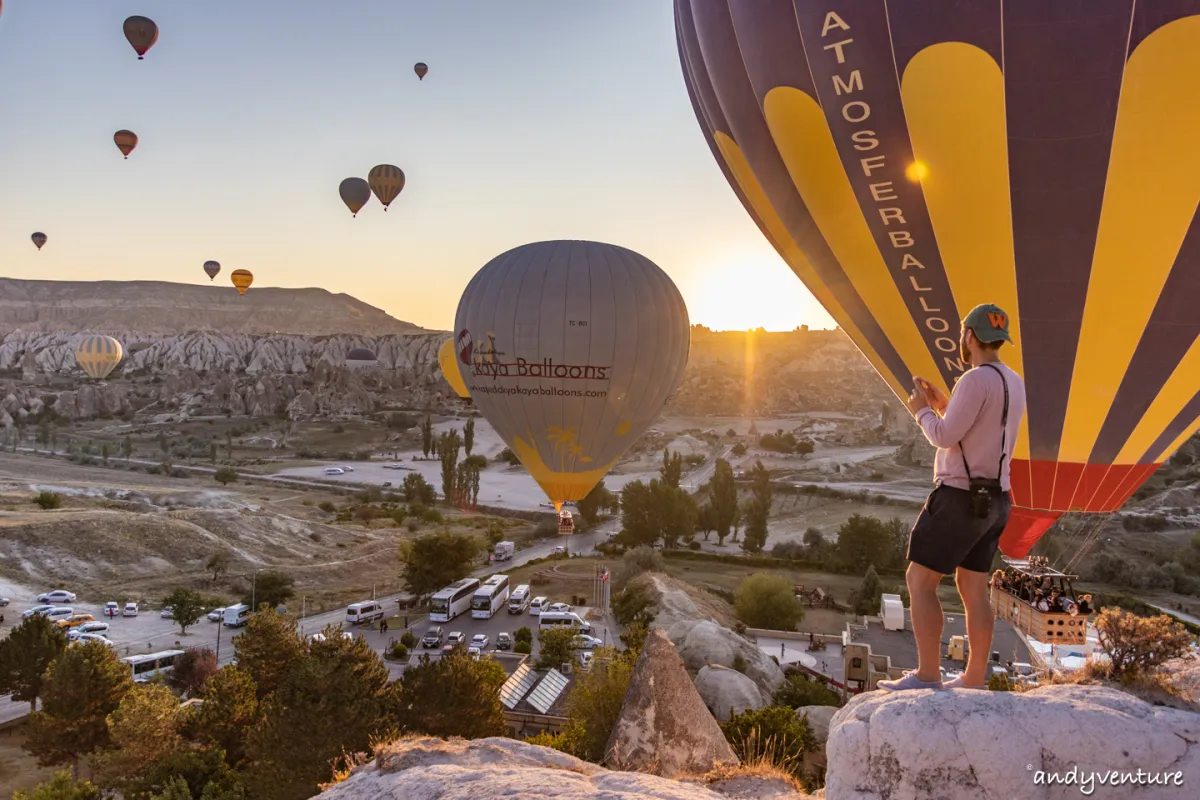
[[998, 320]]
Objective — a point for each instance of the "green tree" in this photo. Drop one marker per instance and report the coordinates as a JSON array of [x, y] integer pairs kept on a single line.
[[229, 445], [453, 696], [104, 452], [523, 634], [48, 500], [764, 600], [25, 653], [469, 435], [706, 520], [143, 728], [162, 443], [418, 490], [774, 735], [599, 498], [192, 671], [755, 514], [268, 644], [723, 497], [272, 587], [231, 709], [218, 564], [83, 685], [595, 704], [212, 452], [862, 541], [187, 607], [739, 449], [200, 771], [225, 476], [435, 560], [867, 598], [332, 701], [60, 786], [798, 690], [556, 646], [127, 447], [671, 471], [174, 789], [657, 511], [43, 433], [427, 436], [509, 457], [448, 446]]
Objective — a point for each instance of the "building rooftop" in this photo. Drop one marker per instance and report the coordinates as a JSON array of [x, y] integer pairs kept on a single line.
[[536, 691], [901, 646]]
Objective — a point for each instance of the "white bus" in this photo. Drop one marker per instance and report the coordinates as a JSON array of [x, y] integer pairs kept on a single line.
[[366, 611], [145, 667], [490, 597], [518, 601], [453, 600]]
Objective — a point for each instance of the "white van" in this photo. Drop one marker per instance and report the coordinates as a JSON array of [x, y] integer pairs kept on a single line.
[[59, 612], [334, 471], [365, 611], [536, 606], [237, 616], [518, 601], [562, 619]]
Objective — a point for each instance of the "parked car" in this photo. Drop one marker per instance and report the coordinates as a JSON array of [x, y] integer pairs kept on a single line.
[[456, 638], [84, 638], [75, 619], [110, 609], [216, 615], [57, 596], [36, 610], [432, 638], [167, 613], [347, 468], [474, 652], [87, 627], [560, 549], [504, 641], [585, 642], [387, 483], [4, 601], [480, 640], [560, 607], [320, 637], [585, 660], [131, 610]]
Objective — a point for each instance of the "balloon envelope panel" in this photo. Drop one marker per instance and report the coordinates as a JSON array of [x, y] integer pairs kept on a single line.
[[914, 161], [448, 361], [570, 350], [98, 355]]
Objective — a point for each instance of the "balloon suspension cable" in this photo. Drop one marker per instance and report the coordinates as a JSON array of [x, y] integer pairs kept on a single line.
[[1070, 545], [1090, 541]]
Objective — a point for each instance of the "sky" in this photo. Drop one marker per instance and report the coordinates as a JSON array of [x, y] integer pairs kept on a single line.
[[539, 119]]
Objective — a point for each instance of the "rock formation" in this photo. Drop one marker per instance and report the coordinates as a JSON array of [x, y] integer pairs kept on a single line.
[[1000, 745], [703, 643], [723, 689], [664, 727], [487, 769]]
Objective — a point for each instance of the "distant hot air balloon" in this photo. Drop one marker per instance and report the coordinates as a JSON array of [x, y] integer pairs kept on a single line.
[[570, 351], [126, 141], [355, 193], [98, 355], [422, 69], [360, 358], [212, 268], [904, 161], [241, 278], [448, 361], [142, 33], [386, 182], [39, 239]]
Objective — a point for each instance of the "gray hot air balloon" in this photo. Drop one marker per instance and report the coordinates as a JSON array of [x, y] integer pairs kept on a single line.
[[355, 193], [212, 268], [570, 350], [360, 358], [39, 239]]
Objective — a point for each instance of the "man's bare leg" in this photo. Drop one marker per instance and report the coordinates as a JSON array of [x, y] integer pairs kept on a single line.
[[981, 620], [926, 610]]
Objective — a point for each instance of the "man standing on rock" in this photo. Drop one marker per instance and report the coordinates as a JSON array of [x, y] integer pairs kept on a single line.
[[958, 530]]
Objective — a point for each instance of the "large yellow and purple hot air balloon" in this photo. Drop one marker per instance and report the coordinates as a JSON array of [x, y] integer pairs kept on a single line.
[[241, 279], [98, 355], [570, 350], [910, 160]]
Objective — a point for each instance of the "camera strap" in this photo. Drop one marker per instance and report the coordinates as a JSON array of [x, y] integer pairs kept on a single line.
[[1003, 430]]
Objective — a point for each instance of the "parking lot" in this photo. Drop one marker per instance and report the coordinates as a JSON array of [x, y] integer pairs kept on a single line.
[[509, 623]]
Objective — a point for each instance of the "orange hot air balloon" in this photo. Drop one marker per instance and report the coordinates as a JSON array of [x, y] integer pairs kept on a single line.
[[142, 33], [126, 141], [242, 278]]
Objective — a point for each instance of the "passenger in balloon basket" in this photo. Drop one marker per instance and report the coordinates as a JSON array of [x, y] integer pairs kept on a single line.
[[958, 530]]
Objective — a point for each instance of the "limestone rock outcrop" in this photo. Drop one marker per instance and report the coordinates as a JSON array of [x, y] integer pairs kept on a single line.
[[724, 690], [703, 643], [999, 745], [664, 727]]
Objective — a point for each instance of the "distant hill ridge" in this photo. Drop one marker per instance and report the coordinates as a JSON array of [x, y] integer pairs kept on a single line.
[[161, 307]]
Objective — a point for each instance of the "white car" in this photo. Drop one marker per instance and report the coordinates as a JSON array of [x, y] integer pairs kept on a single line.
[[585, 642], [131, 610], [320, 637], [84, 638], [36, 610], [110, 609], [87, 627], [57, 596], [480, 641], [455, 639], [167, 613], [4, 601], [474, 652], [347, 469], [560, 607], [216, 615], [559, 549]]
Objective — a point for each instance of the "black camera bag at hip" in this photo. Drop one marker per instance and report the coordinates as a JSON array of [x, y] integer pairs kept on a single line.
[[984, 489]]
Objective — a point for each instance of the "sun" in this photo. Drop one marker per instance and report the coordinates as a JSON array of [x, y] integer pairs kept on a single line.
[[742, 294]]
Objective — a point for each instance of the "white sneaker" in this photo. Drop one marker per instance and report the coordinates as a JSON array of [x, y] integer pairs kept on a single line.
[[957, 683], [909, 681]]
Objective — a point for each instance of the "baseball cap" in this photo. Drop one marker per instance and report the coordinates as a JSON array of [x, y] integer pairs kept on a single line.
[[989, 322]]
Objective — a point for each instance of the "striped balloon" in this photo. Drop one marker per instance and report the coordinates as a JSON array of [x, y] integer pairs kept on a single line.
[[125, 141], [241, 279], [98, 355], [386, 182], [910, 160]]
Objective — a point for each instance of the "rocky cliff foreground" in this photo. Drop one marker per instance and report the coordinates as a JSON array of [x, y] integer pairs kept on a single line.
[[160, 307]]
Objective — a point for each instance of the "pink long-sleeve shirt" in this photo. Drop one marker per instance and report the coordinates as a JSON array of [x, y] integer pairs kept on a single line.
[[973, 418]]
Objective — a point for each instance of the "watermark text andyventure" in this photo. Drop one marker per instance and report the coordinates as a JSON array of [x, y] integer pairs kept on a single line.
[[1088, 780]]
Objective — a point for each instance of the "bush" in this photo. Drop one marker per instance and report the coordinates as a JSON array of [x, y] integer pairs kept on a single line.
[[639, 560], [1139, 645], [999, 683], [693, 545], [48, 500], [632, 605], [773, 735], [225, 476], [508, 457], [327, 507], [523, 647], [739, 449], [400, 650], [523, 634], [739, 663], [768, 601], [800, 690]]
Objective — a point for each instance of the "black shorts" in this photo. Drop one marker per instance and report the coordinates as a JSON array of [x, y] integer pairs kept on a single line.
[[948, 535]]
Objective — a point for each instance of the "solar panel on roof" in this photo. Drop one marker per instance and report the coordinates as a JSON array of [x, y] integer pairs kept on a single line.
[[547, 692], [516, 686]]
